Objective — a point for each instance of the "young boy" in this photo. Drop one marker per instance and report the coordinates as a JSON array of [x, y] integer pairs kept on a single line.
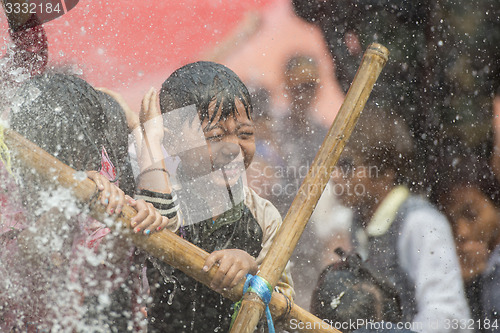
[[209, 128]]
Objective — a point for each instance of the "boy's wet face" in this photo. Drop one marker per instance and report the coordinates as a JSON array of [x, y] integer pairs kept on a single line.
[[231, 141], [230, 147]]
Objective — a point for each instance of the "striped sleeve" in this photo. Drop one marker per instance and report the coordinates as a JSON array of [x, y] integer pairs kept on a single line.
[[166, 203]]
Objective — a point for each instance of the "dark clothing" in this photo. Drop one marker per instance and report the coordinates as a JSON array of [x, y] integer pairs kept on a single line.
[[473, 290], [490, 298], [411, 247], [180, 304], [387, 261]]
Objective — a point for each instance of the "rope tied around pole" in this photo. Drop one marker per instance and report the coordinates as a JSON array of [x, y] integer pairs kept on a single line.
[[264, 290]]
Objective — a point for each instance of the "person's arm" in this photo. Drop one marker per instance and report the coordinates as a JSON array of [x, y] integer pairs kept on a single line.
[[153, 181], [427, 253], [147, 129]]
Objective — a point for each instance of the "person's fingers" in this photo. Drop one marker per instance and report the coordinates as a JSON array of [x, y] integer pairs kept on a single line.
[[230, 276], [106, 188], [116, 199], [94, 175], [153, 109], [120, 205], [142, 213], [147, 99], [220, 274], [131, 201], [149, 219], [211, 260], [112, 199], [157, 221], [238, 278], [164, 223], [146, 105]]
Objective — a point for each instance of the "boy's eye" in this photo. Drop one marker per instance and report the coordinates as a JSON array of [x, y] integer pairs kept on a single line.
[[469, 213], [246, 135], [216, 137]]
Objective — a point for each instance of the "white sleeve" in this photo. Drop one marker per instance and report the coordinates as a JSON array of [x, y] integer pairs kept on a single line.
[[427, 254]]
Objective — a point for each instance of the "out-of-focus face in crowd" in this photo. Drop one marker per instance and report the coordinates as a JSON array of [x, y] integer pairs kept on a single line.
[[475, 223]]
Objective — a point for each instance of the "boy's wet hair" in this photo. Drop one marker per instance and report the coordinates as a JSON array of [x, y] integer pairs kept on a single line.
[[202, 83], [63, 115]]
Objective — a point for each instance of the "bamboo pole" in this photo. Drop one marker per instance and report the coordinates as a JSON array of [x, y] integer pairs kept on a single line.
[[164, 245], [313, 185]]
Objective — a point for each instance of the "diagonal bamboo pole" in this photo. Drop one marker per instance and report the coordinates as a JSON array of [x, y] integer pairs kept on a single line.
[[164, 245], [313, 185]]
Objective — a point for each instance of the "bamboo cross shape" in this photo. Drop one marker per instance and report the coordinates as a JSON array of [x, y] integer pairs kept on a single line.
[[313, 185], [164, 245], [185, 256]]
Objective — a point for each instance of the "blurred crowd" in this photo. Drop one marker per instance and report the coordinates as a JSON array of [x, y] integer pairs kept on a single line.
[[408, 227]]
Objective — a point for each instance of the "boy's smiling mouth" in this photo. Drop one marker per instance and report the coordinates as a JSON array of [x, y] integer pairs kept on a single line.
[[228, 174], [234, 168]]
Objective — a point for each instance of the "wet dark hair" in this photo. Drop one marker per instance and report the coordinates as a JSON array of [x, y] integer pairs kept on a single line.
[[383, 140], [462, 166], [116, 134], [347, 291], [201, 83], [63, 115]]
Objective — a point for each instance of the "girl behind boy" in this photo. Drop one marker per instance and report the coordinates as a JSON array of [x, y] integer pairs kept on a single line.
[[81, 269]]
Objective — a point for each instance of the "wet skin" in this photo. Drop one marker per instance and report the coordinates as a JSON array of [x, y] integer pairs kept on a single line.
[[475, 223]]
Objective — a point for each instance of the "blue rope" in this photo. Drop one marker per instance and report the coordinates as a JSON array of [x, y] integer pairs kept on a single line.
[[264, 290]]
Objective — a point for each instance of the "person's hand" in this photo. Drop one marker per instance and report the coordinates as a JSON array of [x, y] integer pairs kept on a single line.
[[148, 219], [111, 196], [132, 117], [234, 265], [150, 117]]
